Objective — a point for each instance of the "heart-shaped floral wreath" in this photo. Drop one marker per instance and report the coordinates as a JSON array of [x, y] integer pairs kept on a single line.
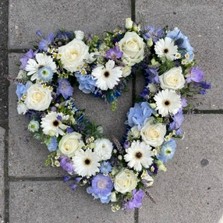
[[116, 172]]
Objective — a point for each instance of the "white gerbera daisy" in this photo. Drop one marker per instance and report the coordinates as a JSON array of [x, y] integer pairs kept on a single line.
[[41, 60], [86, 163], [167, 102], [107, 77], [166, 48], [138, 155], [103, 148], [52, 124]]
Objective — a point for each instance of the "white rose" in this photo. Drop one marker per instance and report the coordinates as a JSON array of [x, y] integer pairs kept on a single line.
[[70, 143], [172, 79], [73, 55], [103, 148], [38, 97], [128, 23], [79, 34], [153, 134], [132, 46], [21, 108], [126, 71], [125, 181]]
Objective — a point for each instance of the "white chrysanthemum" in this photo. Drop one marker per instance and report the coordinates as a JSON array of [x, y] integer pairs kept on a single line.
[[107, 77], [52, 124], [41, 60], [167, 102], [138, 155], [166, 48], [86, 163], [103, 148]]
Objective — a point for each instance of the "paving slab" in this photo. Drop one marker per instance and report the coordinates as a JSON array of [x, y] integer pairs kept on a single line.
[[3, 24], [202, 22], [54, 202], [191, 189], [2, 149], [23, 149], [28, 16]]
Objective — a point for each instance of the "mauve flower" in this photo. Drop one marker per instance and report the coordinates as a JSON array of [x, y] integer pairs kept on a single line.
[[136, 201], [87, 83], [114, 53], [66, 164], [24, 59], [177, 120], [196, 75], [138, 114], [64, 88]]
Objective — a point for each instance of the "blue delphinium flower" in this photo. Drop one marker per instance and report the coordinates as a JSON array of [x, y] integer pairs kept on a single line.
[[138, 114], [87, 83], [151, 75], [101, 187], [24, 59], [151, 32], [167, 151], [66, 164], [114, 53], [52, 146], [64, 88], [21, 89], [45, 42], [63, 35], [204, 86], [136, 201], [45, 74], [105, 167], [182, 42]]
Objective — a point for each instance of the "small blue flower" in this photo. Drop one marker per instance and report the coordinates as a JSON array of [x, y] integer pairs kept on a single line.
[[105, 167], [45, 42], [21, 89], [87, 83], [167, 151], [45, 74], [52, 146], [64, 88], [138, 114]]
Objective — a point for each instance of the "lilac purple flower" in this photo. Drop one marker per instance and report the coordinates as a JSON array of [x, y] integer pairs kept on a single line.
[[136, 201], [167, 151], [196, 75], [87, 83], [66, 164], [101, 187], [64, 88], [177, 120], [114, 53], [138, 114], [45, 42], [151, 75], [52, 146], [24, 59], [151, 32], [204, 86]]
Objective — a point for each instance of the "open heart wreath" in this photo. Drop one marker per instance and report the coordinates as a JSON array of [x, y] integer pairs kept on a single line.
[[114, 172]]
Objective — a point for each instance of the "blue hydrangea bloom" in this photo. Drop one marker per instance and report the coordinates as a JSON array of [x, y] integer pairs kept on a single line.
[[64, 88], [181, 41], [105, 167], [45, 74], [138, 114], [52, 146], [22, 88], [167, 151], [101, 187], [87, 83]]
